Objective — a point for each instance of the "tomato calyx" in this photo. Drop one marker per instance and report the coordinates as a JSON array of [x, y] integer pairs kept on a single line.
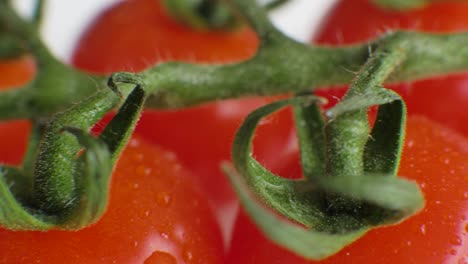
[[67, 185], [202, 14], [209, 14], [350, 184]]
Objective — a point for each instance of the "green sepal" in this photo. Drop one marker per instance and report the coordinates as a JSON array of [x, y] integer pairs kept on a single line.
[[384, 147], [401, 5], [387, 199], [374, 198], [202, 14], [117, 133], [10, 47], [305, 242], [13, 214], [89, 171], [310, 126], [97, 162], [364, 100]]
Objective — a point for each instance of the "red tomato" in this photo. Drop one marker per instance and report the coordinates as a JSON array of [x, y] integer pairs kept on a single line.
[[434, 156], [15, 72], [135, 34], [442, 99], [155, 215]]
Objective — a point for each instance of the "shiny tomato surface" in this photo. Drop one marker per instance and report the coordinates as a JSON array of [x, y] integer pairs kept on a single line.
[[437, 158], [155, 215]]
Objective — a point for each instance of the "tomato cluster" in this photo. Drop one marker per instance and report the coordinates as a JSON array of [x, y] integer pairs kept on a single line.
[[163, 197]]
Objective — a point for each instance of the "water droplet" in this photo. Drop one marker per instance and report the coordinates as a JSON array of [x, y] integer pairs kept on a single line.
[[446, 161], [179, 233], [164, 235], [164, 199], [409, 243], [422, 185], [147, 213], [437, 202], [423, 229], [160, 257], [187, 255], [170, 155], [136, 185], [137, 157], [410, 143], [457, 241], [453, 252], [135, 243], [134, 142], [142, 170]]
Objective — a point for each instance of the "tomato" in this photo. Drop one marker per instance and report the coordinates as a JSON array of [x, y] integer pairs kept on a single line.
[[201, 136], [437, 158], [434, 156], [155, 215], [133, 35], [15, 72], [442, 99]]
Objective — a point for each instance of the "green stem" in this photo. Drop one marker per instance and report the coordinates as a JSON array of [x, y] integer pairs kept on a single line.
[[38, 13], [281, 66], [45, 94], [25, 31], [54, 176], [350, 131], [287, 66], [274, 4], [402, 5], [202, 14]]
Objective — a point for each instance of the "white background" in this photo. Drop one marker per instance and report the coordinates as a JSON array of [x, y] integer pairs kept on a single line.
[[66, 19]]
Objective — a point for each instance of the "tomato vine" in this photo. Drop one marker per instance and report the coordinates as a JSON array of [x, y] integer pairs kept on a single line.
[[344, 167]]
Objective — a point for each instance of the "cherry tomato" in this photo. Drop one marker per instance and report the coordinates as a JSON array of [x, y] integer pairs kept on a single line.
[[434, 156], [155, 215], [201, 136], [442, 99], [437, 158]]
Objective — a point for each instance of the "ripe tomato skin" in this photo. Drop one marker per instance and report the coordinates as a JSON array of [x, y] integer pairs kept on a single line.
[[436, 157], [155, 215], [202, 135], [134, 35], [442, 99], [14, 73]]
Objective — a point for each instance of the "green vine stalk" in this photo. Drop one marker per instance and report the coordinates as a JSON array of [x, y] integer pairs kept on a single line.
[[346, 190]]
